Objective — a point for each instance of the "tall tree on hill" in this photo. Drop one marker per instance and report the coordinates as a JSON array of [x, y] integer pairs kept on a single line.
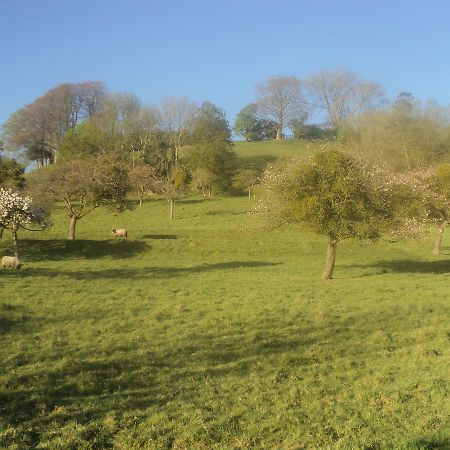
[[211, 147], [39, 127], [342, 94], [177, 114], [280, 99], [251, 126]]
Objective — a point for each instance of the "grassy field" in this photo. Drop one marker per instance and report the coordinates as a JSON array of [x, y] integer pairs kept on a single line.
[[258, 154], [211, 332]]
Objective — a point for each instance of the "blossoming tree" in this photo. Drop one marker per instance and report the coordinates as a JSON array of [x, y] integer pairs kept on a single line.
[[17, 212]]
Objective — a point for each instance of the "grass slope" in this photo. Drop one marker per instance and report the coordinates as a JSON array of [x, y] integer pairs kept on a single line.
[[209, 332], [258, 154]]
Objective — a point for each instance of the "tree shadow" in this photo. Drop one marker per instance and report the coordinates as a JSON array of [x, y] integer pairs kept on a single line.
[[409, 266], [224, 213], [129, 383], [191, 201], [11, 317], [431, 443], [258, 162], [143, 272], [57, 249], [160, 236]]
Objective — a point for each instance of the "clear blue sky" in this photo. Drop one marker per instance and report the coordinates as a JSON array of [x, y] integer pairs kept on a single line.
[[217, 50]]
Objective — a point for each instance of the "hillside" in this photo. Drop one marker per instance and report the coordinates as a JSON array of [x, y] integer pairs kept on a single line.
[[210, 332], [258, 154]]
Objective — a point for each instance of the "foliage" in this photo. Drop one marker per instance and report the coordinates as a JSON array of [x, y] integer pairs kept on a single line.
[[143, 179], [83, 141], [172, 186], [245, 180], [39, 127], [331, 194], [17, 211], [310, 131], [84, 185], [215, 157], [252, 127], [11, 173], [203, 180], [211, 147], [209, 125], [406, 137]]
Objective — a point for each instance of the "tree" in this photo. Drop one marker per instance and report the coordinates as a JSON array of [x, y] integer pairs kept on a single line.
[[246, 180], [211, 146], [39, 127], [252, 127], [11, 173], [280, 100], [438, 202], [143, 178], [312, 131], [342, 94], [18, 212], [406, 136], [84, 185], [203, 180], [173, 185], [210, 124], [177, 114], [331, 194]]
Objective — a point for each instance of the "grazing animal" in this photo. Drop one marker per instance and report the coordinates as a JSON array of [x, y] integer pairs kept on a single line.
[[121, 232], [11, 262]]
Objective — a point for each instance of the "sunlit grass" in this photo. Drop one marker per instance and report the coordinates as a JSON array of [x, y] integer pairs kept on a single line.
[[209, 331]]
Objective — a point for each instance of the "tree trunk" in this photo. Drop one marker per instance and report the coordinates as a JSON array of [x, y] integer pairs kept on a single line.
[[141, 196], [209, 192], [171, 202], [72, 225], [249, 194], [438, 242], [1, 233], [278, 137], [331, 258], [16, 244]]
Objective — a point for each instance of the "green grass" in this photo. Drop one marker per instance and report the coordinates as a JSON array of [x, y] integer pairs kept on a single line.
[[258, 154], [209, 332]]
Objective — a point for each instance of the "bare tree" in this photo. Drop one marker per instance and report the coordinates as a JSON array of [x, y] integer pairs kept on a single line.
[[177, 114], [280, 99], [342, 94]]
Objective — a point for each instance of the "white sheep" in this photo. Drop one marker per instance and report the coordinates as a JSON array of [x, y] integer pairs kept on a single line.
[[11, 262], [121, 232]]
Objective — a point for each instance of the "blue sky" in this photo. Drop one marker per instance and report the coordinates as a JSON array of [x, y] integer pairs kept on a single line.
[[218, 50]]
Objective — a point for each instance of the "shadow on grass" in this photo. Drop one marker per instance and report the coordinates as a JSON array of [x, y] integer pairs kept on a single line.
[[191, 201], [160, 236], [59, 249], [11, 317], [141, 273], [431, 444], [225, 213], [256, 162], [409, 266], [122, 382]]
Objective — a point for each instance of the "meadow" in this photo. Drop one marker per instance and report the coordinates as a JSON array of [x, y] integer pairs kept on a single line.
[[210, 331]]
